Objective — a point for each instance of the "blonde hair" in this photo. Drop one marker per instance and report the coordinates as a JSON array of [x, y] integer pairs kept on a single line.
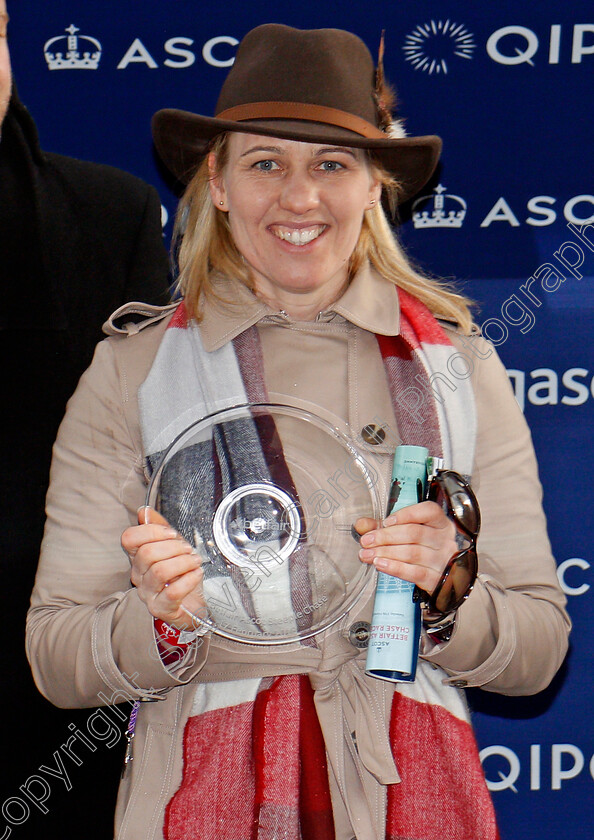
[[205, 246]]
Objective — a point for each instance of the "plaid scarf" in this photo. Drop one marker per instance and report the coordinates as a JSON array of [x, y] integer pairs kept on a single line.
[[258, 752]]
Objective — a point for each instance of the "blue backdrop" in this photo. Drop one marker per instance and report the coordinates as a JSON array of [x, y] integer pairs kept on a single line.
[[510, 213]]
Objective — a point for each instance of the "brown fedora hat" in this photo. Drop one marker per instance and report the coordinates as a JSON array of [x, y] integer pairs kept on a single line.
[[316, 85]]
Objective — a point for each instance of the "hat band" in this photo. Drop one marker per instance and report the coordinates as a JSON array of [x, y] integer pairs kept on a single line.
[[301, 111]]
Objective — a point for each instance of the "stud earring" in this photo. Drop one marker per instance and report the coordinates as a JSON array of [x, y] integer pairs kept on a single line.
[[221, 203]]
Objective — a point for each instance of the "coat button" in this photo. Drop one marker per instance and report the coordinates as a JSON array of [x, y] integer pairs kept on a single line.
[[373, 434], [359, 634]]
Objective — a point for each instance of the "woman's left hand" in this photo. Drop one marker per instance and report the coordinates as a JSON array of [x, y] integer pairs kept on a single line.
[[414, 544]]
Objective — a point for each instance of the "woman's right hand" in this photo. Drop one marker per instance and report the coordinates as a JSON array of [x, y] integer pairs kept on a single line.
[[166, 570]]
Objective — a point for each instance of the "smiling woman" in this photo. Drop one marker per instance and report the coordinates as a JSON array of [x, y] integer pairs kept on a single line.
[[207, 247], [295, 215], [296, 294]]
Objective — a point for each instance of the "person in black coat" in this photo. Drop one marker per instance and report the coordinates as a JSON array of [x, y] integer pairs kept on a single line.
[[77, 240]]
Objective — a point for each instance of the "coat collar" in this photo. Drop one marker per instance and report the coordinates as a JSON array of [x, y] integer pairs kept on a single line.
[[370, 302]]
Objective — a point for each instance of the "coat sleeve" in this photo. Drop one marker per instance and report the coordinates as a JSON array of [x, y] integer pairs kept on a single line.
[[511, 635], [90, 638]]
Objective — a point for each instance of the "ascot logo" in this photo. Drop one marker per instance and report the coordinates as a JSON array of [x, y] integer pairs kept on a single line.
[[447, 211], [431, 45], [72, 51], [67, 52]]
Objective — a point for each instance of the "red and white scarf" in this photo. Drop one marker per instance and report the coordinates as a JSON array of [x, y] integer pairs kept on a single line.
[[256, 751]]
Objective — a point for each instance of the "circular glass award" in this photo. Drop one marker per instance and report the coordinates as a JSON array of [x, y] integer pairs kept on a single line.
[[268, 494]]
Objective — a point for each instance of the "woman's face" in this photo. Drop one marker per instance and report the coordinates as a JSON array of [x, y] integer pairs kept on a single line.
[[295, 211]]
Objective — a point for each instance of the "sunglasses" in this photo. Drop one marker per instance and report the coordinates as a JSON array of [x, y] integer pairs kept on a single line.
[[455, 495]]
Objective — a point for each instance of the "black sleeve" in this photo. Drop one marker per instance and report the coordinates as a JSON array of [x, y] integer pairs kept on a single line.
[[149, 263]]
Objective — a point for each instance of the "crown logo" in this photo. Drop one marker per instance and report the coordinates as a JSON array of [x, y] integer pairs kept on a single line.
[[448, 210], [70, 56]]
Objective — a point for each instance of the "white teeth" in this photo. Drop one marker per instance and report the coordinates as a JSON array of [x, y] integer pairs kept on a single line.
[[299, 237]]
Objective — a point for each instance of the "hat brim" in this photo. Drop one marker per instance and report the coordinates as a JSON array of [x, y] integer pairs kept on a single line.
[[182, 139]]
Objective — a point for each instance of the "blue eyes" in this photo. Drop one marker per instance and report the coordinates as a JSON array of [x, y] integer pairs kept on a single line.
[[266, 165], [271, 166]]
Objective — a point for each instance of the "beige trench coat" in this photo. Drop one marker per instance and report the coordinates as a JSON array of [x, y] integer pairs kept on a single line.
[[91, 640]]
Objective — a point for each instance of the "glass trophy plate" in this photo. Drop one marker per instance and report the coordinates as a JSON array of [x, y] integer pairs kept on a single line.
[[268, 494]]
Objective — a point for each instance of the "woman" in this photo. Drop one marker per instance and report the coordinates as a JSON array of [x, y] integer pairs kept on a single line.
[[295, 292]]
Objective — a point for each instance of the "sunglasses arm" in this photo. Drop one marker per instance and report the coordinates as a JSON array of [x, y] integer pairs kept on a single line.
[[442, 628]]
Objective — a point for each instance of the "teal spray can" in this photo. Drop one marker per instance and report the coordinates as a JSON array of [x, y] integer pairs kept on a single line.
[[396, 624]]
